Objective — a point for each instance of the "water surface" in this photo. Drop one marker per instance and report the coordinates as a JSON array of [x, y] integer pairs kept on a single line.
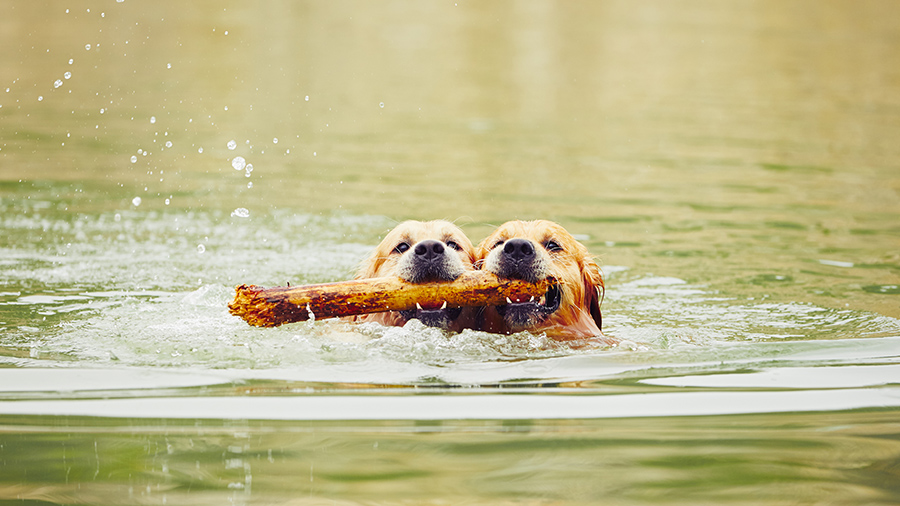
[[733, 167]]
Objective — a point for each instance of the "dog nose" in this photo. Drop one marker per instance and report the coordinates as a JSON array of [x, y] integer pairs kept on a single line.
[[518, 249], [429, 249]]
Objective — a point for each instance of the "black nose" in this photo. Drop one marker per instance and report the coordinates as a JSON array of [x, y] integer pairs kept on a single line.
[[519, 249], [429, 249]]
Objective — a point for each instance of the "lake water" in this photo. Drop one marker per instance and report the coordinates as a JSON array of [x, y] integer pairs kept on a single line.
[[734, 166]]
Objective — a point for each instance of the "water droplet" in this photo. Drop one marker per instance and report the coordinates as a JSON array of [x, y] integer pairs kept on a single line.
[[232, 144], [71, 61], [152, 119], [117, 217], [199, 150], [238, 163], [241, 212], [168, 144], [201, 249], [167, 201], [136, 201], [381, 104], [133, 159], [102, 111], [87, 47], [168, 65], [307, 98], [57, 83], [40, 98], [275, 140], [250, 184], [67, 75]]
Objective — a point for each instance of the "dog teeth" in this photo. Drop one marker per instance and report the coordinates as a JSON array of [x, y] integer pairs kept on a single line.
[[509, 301], [418, 306], [445, 305], [531, 299], [543, 300]]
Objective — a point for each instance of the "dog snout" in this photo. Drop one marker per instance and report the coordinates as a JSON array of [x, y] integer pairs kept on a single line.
[[429, 260], [520, 250], [518, 258], [429, 250]]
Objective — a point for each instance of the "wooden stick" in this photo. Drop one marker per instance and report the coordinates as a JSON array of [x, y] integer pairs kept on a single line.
[[270, 307]]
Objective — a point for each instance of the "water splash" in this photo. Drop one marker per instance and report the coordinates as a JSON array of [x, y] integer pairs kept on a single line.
[[87, 301]]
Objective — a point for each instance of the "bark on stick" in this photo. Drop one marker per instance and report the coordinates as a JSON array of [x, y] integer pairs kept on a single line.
[[270, 307]]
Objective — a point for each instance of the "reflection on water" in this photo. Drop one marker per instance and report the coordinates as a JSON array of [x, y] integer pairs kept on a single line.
[[734, 166], [843, 458]]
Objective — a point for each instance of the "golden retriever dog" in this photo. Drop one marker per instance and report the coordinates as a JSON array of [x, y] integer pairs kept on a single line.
[[533, 251], [421, 252]]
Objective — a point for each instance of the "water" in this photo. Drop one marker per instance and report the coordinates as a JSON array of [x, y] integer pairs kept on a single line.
[[734, 168]]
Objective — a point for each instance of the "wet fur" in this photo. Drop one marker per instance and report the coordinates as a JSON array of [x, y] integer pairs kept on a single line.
[[566, 260], [388, 260]]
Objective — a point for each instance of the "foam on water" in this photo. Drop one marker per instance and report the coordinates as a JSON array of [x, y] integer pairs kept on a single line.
[[150, 289]]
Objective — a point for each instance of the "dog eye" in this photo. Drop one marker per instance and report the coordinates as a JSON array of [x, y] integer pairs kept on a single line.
[[401, 248], [552, 246], [498, 243], [453, 245]]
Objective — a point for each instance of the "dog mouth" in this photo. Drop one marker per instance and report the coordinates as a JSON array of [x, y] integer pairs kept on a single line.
[[433, 316], [527, 311]]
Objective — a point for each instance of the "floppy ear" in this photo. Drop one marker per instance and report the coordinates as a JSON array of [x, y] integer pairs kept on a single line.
[[593, 289]]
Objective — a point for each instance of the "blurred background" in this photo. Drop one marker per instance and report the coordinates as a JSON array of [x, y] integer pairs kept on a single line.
[[735, 166], [713, 142]]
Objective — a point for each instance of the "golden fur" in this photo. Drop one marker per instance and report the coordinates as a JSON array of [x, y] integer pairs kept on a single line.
[[451, 254], [535, 250]]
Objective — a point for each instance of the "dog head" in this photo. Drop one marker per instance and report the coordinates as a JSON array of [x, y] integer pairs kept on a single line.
[[537, 250], [420, 252]]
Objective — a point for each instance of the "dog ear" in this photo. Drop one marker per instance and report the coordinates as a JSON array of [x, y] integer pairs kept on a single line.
[[593, 289]]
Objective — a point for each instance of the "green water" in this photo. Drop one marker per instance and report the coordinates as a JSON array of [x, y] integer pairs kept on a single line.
[[734, 166]]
